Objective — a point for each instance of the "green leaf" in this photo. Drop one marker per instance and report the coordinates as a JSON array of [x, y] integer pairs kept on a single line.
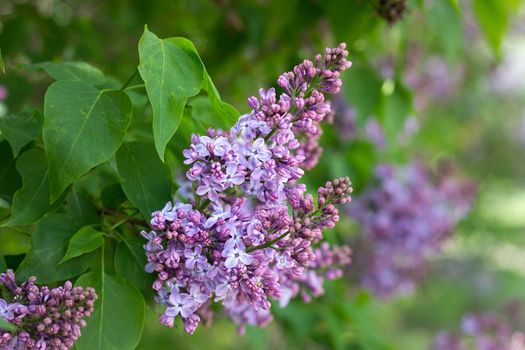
[[112, 196], [21, 128], [130, 261], [2, 65], [48, 245], [118, 319], [172, 72], [362, 88], [13, 241], [146, 181], [396, 108], [10, 179], [31, 202], [450, 37], [80, 209], [86, 240], [227, 114], [83, 127], [5, 325], [3, 265], [493, 18], [79, 71]]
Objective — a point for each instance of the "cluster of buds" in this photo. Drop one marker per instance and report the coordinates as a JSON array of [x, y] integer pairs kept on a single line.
[[247, 232], [44, 318]]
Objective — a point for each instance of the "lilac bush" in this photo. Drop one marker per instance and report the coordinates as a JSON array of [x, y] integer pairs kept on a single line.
[[44, 318], [405, 219], [484, 331], [247, 232]]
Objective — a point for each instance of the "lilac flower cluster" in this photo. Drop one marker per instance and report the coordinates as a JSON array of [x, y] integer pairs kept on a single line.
[[246, 234], [44, 318], [486, 331], [405, 219]]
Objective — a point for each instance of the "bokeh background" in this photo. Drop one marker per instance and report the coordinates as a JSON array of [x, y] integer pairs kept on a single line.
[[432, 80]]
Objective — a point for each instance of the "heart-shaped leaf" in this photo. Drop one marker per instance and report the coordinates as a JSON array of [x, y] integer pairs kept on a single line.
[[86, 240], [83, 127], [118, 318], [172, 72]]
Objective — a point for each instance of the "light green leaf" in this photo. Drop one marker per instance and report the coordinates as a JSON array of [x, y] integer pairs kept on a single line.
[[362, 88], [48, 245], [20, 128], [118, 319], [86, 240], [396, 108], [80, 209], [83, 127], [5, 325], [10, 179], [146, 181], [493, 18], [450, 37], [172, 72], [13, 241], [31, 202], [227, 114], [130, 261], [80, 71]]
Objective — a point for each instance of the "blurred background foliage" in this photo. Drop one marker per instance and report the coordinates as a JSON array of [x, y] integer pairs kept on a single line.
[[449, 70]]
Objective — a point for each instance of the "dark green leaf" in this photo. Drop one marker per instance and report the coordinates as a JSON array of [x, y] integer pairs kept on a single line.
[[80, 71], [146, 181], [10, 179], [118, 318], [48, 245], [86, 240], [2, 65], [172, 72], [130, 261], [112, 196], [20, 129], [83, 127], [3, 265], [31, 202], [80, 209], [13, 241]]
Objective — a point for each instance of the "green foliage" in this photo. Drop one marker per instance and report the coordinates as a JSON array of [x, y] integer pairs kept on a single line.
[[83, 127], [493, 17], [86, 240], [79, 71], [49, 244], [129, 263], [32, 201], [21, 128], [172, 72], [10, 179], [119, 314], [146, 181]]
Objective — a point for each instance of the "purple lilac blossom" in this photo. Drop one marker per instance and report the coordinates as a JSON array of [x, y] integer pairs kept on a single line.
[[44, 318], [485, 331], [405, 218], [248, 234]]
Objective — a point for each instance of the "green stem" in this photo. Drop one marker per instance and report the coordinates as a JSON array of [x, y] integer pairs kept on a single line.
[[138, 86], [268, 244]]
